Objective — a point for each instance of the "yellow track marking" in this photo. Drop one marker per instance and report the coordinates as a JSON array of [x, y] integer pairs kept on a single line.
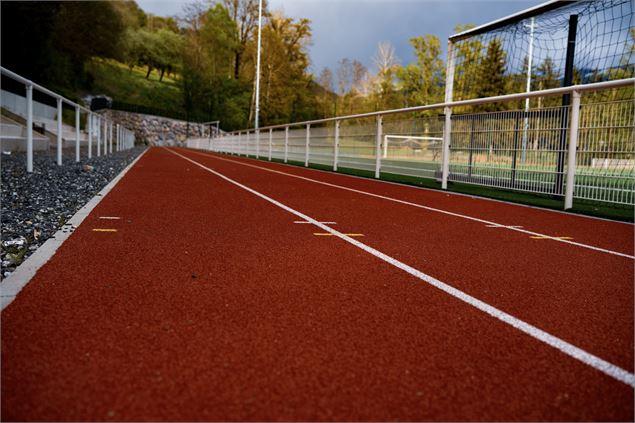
[[330, 234], [551, 237], [104, 230], [110, 217]]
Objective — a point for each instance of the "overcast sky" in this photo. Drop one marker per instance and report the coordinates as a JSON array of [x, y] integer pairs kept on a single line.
[[353, 28]]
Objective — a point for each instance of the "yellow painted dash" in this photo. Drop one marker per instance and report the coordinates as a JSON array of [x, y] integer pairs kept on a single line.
[[104, 230], [551, 237], [330, 234]]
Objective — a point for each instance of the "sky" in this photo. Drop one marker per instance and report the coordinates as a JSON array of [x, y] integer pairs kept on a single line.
[[353, 28]]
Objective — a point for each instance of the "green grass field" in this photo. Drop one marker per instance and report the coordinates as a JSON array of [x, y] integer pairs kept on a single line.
[[131, 86]]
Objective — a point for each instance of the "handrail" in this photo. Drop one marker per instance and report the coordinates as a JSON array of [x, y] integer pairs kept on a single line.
[[40, 88], [471, 102], [123, 139]]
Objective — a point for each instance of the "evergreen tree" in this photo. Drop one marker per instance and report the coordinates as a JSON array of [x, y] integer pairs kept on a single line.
[[491, 77]]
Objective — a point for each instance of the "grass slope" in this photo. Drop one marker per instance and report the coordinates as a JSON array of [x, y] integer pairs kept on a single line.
[[116, 80]]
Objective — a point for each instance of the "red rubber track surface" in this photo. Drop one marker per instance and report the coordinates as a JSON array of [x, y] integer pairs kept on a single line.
[[209, 303]]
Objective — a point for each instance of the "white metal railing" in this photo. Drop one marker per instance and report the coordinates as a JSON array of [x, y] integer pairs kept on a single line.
[[586, 151], [106, 134]]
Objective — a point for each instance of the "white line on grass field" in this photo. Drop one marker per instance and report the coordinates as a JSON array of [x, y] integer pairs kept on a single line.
[[421, 206], [571, 350]]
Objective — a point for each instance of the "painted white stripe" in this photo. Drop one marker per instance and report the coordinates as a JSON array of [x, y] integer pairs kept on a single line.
[[324, 223], [571, 350], [109, 217], [421, 206], [503, 226], [447, 193]]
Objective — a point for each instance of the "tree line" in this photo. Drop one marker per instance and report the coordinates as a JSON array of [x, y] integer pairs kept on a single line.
[[210, 51]]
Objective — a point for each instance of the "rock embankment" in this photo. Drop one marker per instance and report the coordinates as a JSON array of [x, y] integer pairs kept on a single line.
[[156, 130]]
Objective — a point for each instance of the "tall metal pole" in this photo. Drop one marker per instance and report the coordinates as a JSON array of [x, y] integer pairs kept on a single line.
[[258, 64], [566, 102], [529, 64]]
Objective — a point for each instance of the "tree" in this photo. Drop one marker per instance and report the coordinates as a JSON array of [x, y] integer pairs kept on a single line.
[[386, 62], [547, 77], [422, 82], [244, 13], [468, 53], [325, 80], [491, 79]]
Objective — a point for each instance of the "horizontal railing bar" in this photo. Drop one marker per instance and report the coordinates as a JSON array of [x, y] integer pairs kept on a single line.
[[472, 102], [40, 88]]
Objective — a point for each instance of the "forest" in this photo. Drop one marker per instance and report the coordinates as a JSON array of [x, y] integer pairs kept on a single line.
[[201, 65]]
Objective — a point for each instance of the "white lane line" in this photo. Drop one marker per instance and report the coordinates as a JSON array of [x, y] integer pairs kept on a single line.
[[503, 226], [109, 217], [421, 206], [325, 223], [571, 350]]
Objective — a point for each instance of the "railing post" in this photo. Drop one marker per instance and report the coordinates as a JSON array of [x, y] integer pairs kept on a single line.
[[247, 140], [270, 141], [110, 136], [104, 141], [573, 146], [336, 145], [308, 143], [286, 144], [59, 131], [257, 143], [98, 134], [90, 119], [378, 146], [29, 128], [77, 133], [445, 161]]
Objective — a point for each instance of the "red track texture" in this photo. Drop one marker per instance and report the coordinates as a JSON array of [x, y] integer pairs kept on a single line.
[[210, 303]]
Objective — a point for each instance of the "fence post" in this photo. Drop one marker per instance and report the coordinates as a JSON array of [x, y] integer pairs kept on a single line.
[[257, 143], [76, 133], [29, 128], [110, 136], [378, 145], [89, 119], [573, 145], [286, 143], [336, 146], [98, 134], [104, 134], [308, 143], [59, 131], [445, 164], [270, 141]]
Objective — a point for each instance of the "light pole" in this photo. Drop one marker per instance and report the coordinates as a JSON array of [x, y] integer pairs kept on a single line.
[[258, 65], [529, 64]]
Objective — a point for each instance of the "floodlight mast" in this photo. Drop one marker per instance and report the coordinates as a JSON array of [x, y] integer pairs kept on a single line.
[[529, 64], [258, 65]]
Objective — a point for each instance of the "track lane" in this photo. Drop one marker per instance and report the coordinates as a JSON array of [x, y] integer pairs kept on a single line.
[[275, 326], [582, 296], [611, 235]]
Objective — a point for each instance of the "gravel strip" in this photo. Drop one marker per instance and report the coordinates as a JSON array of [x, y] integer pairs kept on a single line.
[[35, 206]]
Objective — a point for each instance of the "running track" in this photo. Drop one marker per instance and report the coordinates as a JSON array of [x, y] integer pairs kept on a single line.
[[210, 303]]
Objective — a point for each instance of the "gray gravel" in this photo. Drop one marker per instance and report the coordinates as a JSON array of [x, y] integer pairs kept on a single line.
[[34, 206]]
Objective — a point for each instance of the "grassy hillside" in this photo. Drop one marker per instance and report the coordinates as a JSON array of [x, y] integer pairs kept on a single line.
[[116, 80]]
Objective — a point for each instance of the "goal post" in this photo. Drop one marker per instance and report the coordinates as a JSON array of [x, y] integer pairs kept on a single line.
[[407, 140]]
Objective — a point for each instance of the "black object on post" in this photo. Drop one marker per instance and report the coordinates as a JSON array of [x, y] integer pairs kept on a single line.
[[566, 102]]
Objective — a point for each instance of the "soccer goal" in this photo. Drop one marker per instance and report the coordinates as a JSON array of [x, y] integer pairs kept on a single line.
[[410, 145], [522, 144]]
